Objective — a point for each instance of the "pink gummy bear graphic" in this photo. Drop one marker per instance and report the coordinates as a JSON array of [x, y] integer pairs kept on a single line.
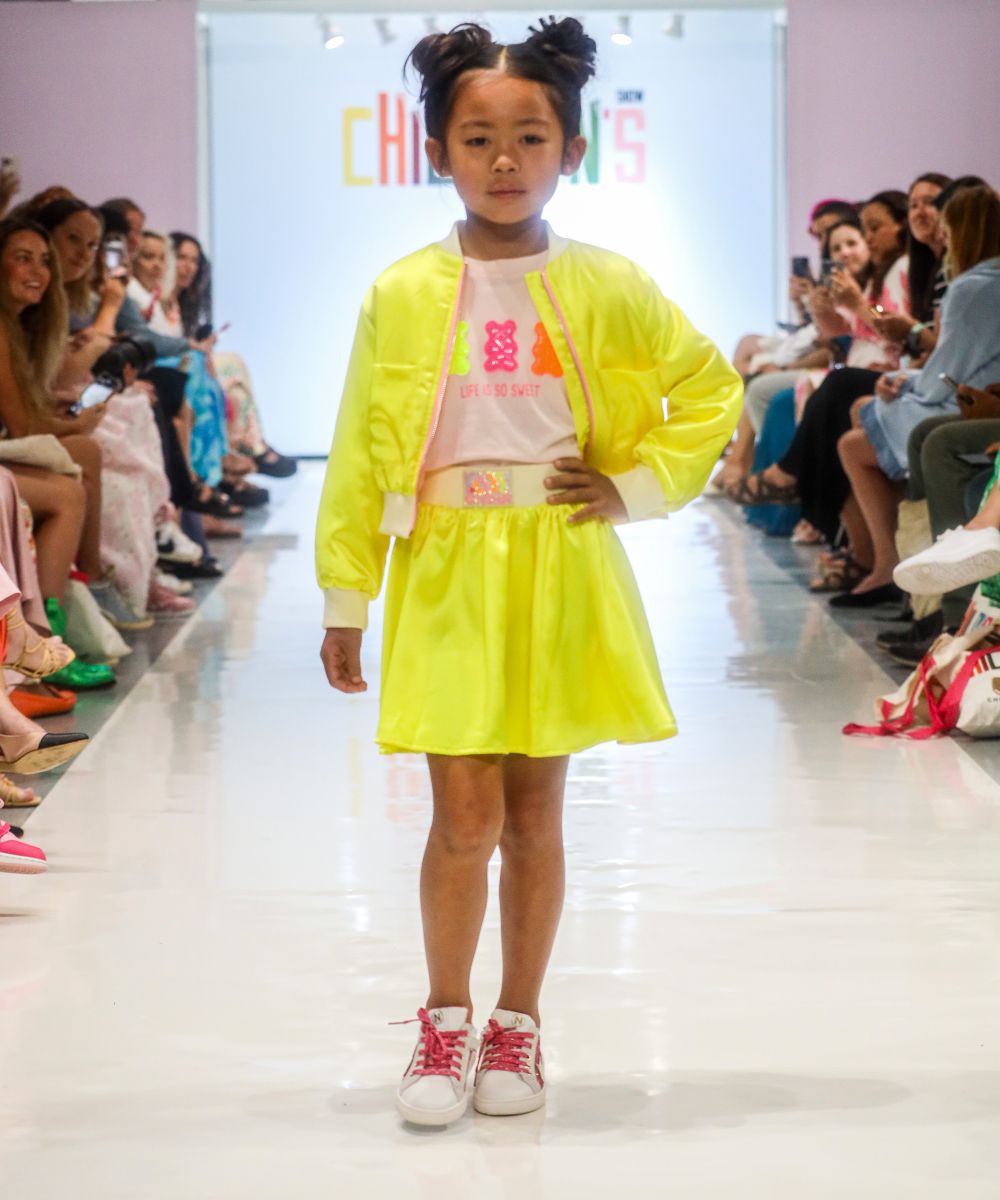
[[500, 349]]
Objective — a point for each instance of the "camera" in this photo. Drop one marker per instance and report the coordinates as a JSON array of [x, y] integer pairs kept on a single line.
[[109, 370]]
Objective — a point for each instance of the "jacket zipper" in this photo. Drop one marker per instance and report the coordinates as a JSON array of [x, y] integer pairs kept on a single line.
[[443, 381], [576, 358]]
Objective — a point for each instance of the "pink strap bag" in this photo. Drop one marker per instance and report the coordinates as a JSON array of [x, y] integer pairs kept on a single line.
[[955, 686]]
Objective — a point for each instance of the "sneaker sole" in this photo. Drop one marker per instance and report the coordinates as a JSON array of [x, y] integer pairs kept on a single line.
[[509, 1108], [22, 866], [432, 1117], [128, 626], [933, 579]]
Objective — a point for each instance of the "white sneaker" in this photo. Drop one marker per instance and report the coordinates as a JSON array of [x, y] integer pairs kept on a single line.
[[958, 557], [510, 1077], [437, 1084], [174, 545]]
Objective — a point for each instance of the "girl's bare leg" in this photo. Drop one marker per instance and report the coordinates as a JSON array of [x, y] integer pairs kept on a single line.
[[465, 830], [532, 876], [86, 451], [746, 348], [859, 542], [58, 503], [878, 499]]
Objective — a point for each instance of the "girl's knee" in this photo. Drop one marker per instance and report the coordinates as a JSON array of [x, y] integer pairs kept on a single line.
[[469, 831], [532, 829]]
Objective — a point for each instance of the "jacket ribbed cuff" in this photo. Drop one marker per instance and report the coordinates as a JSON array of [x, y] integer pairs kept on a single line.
[[345, 610], [641, 493]]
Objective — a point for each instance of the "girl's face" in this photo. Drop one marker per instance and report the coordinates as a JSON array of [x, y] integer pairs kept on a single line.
[[882, 232], [187, 260], [924, 218], [850, 248], [504, 147], [25, 263], [150, 266], [77, 241]]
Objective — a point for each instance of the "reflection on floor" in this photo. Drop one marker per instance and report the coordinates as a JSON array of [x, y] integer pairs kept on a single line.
[[777, 974]]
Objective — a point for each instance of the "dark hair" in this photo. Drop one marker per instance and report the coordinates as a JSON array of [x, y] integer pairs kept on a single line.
[[115, 223], [924, 263], [853, 222], [50, 217], [897, 206], [558, 54], [194, 301], [842, 208], [122, 204], [956, 185]]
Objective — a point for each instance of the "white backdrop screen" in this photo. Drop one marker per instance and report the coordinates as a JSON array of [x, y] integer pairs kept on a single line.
[[319, 181]]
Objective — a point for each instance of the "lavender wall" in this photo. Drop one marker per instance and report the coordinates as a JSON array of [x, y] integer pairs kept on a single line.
[[880, 91], [102, 98]]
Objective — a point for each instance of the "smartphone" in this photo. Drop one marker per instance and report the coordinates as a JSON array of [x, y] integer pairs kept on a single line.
[[206, 331], [102, 389], [952, 383], [800, 267], [115, 258], [975, 460]]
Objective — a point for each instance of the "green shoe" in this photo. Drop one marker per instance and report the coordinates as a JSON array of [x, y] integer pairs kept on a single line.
[[78, 676], [81, 676]]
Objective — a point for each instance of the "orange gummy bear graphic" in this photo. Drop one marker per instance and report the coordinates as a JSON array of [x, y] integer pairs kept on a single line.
[[545, 360]]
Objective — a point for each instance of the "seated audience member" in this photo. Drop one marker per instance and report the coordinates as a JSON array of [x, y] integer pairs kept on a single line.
[[824, 216], [810, 473], [968, 352], [193, 299], [135, 490]]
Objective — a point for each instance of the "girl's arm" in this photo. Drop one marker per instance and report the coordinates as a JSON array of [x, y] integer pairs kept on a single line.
[[704, 400], [350, 550]]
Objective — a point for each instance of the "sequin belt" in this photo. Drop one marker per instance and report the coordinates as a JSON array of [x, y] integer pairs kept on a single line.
[[520, 485]]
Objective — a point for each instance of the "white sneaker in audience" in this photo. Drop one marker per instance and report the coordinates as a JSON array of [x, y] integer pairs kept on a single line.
[[180, 587], [163, 602], [958, 557], [174, 545]]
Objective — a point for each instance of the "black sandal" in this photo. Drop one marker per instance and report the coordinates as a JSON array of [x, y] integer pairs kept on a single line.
[[214, 504], [755, 490]]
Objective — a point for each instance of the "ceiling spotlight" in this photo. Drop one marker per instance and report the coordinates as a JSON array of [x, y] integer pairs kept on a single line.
[[332, 36], [622, 35], [385, 31], [675, 26], [432, 24]]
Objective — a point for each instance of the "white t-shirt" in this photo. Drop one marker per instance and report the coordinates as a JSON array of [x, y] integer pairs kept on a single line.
[[505, 400]]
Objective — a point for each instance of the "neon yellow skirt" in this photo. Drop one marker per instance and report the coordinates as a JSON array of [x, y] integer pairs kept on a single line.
[[508, 631]]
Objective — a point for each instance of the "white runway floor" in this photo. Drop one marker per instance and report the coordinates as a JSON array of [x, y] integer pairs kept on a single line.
[[777, 977]]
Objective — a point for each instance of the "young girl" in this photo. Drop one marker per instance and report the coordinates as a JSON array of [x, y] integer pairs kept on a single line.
[[503, 407]]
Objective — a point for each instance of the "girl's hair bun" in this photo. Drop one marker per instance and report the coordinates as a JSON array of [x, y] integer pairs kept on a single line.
[[567, 47], [440, 58]]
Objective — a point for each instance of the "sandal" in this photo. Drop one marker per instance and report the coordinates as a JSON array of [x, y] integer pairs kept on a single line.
[[211, 503], [56, 655], [249, 495], [843, 575], [12, 796], [755, 490], [30, 753]]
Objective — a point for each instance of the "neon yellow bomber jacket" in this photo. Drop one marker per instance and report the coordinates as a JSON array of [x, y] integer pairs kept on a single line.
[[624, 349]]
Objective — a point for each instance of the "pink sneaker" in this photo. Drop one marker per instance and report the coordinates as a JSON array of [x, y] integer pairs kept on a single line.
[[510, 1077], [20, 858], [436, 1085], [163, 602]]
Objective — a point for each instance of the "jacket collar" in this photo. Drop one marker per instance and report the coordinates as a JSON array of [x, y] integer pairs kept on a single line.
[[452, 243]]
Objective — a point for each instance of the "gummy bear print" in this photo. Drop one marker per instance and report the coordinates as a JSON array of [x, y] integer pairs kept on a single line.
[[501, 348], [545, 361], [461, 353]]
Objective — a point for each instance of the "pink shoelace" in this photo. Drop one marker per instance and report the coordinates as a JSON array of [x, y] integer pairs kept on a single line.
[[440, 1051], [505, 1049]]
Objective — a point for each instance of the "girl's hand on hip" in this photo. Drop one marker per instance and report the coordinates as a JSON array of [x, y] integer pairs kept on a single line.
[[341, 655], [578, 483]]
